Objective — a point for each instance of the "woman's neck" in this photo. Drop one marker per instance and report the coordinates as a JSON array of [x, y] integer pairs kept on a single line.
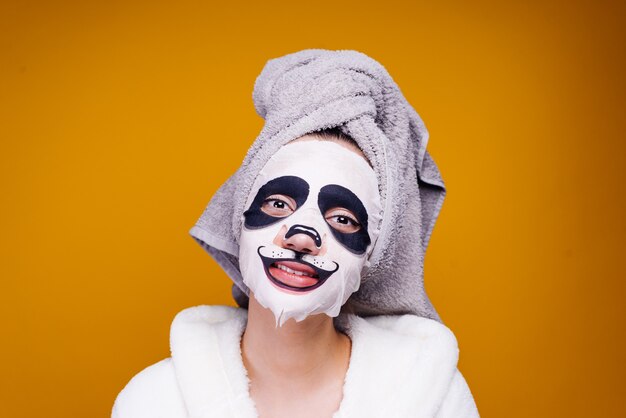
[[302, 352]]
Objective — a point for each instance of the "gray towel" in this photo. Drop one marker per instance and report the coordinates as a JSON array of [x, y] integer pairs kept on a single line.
[[316, 89]]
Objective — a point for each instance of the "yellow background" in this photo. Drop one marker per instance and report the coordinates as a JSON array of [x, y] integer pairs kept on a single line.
[[118, 120]]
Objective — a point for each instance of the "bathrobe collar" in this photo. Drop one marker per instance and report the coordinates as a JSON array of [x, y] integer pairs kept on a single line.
[[399, 365]]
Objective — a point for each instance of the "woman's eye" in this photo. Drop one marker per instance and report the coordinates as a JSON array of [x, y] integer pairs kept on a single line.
[[342, 220], [278, 206]]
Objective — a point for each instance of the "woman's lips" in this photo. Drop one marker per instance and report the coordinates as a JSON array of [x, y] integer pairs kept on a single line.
[[293, 273]]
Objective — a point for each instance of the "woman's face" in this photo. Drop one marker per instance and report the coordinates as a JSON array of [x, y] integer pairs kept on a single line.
[[311, 221]]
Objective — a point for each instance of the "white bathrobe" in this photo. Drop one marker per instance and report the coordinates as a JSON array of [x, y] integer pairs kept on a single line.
[[400, 366]]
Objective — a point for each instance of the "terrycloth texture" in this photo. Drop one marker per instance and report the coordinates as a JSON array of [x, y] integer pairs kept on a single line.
[[316, 89], [400, 366]]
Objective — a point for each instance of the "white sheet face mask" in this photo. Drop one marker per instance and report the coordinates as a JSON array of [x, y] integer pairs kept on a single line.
[[312, 219]]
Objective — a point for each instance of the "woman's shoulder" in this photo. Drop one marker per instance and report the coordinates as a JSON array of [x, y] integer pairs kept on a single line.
[[410, 324], [209, 314], [411, 330], [167, 388], [153, 392]]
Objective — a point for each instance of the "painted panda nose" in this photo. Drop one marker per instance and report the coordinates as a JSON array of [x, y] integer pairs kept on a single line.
[[304, 239]]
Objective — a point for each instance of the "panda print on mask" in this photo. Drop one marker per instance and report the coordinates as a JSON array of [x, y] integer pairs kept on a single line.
[[334, 195], [292, 186], [312, 219]]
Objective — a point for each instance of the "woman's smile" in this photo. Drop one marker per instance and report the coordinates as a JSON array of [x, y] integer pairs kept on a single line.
[[293, 274]]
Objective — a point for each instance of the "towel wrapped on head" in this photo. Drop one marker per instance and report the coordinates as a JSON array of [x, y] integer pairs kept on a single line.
[[317, 89]]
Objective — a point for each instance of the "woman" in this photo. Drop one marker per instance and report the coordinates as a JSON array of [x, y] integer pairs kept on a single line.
[[323, 232]]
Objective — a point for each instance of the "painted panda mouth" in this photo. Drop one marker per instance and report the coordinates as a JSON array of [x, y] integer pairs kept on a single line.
[[294, 274]]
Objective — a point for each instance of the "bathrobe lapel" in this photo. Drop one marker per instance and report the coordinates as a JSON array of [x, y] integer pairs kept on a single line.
[[204, 341]]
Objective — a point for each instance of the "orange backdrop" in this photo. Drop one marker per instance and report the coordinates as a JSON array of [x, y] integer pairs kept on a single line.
[[118, 120]]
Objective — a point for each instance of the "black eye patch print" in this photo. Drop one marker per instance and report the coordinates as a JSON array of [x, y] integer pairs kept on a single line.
[[332, 196], [291, 186]]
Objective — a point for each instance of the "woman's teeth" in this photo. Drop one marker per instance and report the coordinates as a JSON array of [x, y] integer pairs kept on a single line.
[[288, 270]]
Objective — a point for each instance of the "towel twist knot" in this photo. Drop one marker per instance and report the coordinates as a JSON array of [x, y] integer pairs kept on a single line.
[[300, 84]]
